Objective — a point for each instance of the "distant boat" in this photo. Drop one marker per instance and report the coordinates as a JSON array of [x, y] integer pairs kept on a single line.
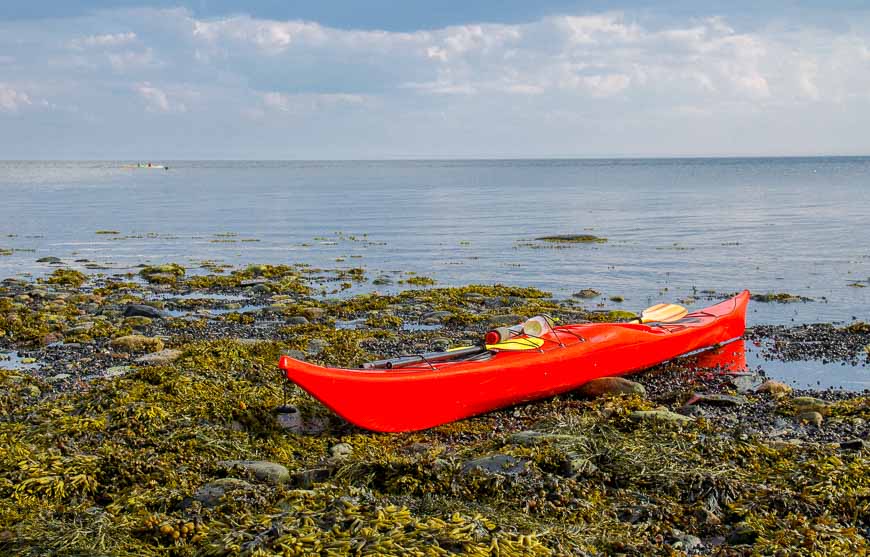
[[146, 166]]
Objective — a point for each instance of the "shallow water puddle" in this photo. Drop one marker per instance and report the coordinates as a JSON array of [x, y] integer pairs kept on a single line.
[[743, 357], [13, 360]]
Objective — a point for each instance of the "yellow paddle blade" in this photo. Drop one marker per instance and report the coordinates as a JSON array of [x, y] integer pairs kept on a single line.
[[663, 313], [523, 343]]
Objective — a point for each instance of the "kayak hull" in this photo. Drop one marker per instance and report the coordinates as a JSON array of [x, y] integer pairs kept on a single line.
[[421, 396]]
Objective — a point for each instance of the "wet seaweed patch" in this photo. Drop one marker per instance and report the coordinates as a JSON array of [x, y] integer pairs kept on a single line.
[[184, 451], [107, 232], [780, 298]]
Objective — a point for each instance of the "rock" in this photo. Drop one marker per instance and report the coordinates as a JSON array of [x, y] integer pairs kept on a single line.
[[587, 293], [289, 418], [573, 239], [212, 493], [297, 320], [137, 321], [261, 289], [143, 310], [58, 377], [853, 445], [659, 415], [341, 451], [80, 328], [440, 344], [745, 382], [162, 274], [496, 464], [50, 259], [810, 404], [34, 391], [742, 534], [505, 320], [253, 282], [717, 399], [263, 470], [775, 388], [314, 313], [137, 343], [611, 386], [435, 317], [117, 371], [810, 417], [687, 543], [161, 358], [307, 478]]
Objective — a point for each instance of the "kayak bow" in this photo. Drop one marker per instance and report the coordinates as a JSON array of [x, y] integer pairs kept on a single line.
[[424, 394]]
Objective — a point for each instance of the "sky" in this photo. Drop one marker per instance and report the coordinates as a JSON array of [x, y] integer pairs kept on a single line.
[[271, 79]]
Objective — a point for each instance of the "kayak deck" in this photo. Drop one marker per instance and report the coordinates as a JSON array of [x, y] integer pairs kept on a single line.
[[426, 394]]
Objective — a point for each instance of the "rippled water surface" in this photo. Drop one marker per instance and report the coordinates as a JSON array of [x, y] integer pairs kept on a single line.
[[675, 227]]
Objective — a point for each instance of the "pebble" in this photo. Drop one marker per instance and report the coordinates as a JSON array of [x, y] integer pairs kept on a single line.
[[341, 451]]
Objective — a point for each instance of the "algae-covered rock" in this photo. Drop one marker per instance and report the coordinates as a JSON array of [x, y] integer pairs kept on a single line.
[[611, 386], [717, 399], [137, 343], [137, 322], [162, 274], [263, 470], [659, 415], [810, 417], [341, 451], [505, 465], [161, 358], [810, 404], [587, 293], [212, 493], [67, 277], [775, 388]]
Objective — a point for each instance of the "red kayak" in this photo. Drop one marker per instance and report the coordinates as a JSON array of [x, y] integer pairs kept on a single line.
[[419, 392]]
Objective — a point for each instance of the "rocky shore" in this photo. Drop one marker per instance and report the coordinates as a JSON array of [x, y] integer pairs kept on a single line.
[[144, 414]]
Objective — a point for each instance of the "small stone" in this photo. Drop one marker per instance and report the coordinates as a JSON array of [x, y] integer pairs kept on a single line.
[[434, 317], [659, 415], [340, 451], [496, 464], [611, 386], [263, 470], [253, 282], [50, 259], [688, 543], [587, 293], [137, 343], [810, 417], [297, 320], [776, 389], [162, 358], [58, 377], [143, 310]]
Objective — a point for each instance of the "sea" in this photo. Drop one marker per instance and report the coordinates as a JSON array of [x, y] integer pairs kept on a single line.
[[676, 229]]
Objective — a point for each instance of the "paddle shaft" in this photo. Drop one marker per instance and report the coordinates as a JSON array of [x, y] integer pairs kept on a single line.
[[427, 357]]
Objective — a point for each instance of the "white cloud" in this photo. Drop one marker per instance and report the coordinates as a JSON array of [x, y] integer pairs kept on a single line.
[[104, 40], [158, 100], [11, 100], [304, 103]]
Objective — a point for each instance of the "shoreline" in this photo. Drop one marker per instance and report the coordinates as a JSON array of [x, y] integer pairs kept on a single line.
[[150, 426]]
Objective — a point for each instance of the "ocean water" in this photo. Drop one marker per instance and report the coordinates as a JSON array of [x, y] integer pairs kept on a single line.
[[675, 227]]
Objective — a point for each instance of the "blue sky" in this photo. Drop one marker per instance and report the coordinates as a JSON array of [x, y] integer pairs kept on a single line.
[[392, 79]]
